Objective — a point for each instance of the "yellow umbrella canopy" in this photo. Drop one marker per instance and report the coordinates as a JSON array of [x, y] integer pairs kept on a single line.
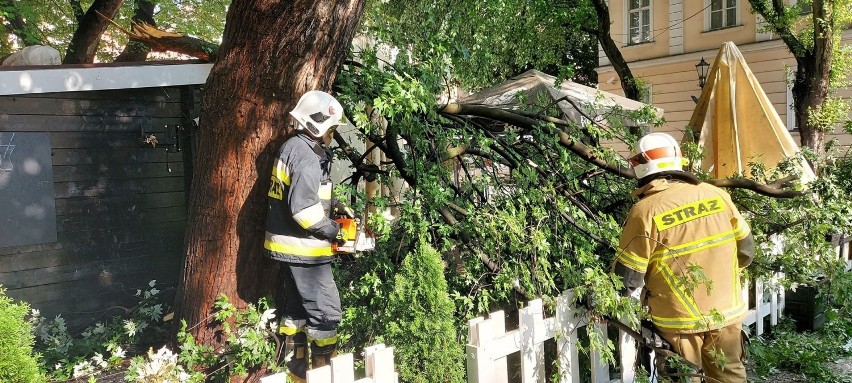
[[737, 122]]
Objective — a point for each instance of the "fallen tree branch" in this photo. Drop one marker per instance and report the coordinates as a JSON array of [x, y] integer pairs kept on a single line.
[[164, 41], [587, 153]]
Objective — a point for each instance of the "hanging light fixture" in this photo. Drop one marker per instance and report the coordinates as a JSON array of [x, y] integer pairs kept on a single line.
[[702, 68]]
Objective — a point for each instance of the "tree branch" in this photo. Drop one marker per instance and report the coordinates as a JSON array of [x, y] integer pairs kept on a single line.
[[84, 43], [588, 154], [163, 41]]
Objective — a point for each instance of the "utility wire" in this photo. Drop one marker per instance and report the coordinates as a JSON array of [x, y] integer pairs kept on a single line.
[[663, 30]]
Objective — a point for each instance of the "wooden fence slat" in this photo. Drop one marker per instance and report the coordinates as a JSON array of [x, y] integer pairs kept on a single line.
[[478, 364], [627, 356], [369, 359], [476, 361], [758, 306], [489, 342], [343, 369], [379, 367], [319, 375], [499, 363], [567, 353], [600, 370], [532, 354], [384, 369]]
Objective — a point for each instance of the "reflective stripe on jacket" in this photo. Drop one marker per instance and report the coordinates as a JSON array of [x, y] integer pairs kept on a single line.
[[683, 239], [298, 227]]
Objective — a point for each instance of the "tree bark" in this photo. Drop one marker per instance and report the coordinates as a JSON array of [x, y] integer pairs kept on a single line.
[[163, 41], [84, 43], [136, 50], [810, 87], [272, 52], [628, 83]]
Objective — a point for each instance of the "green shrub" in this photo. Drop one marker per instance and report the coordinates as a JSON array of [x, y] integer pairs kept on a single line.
[[18, 364], [420, 326]]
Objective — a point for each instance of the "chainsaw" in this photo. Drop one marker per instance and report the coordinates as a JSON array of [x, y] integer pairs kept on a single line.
[[358, 237]]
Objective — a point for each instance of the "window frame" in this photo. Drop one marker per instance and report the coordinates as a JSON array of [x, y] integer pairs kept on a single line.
[[789, 78], [708, 15], [627, 28]]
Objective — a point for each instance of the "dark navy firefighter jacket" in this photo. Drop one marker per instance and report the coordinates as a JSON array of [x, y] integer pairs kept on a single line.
[[298, 227]]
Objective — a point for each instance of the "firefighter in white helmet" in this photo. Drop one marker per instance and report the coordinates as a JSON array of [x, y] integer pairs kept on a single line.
[[678, 223], [300, 232]]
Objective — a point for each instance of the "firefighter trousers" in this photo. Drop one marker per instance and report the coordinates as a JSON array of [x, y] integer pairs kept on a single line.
[[311, 302], [719, 352]]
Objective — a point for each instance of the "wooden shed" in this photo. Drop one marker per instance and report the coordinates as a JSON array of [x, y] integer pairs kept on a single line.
[[95, 163]]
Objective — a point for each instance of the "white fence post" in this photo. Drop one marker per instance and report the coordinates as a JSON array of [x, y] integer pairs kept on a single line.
[[775, 291], [482, 366], [378, 364], [532, 353], [627, 351], [566, 344], [489, 343], [600, 370], [758, 306]]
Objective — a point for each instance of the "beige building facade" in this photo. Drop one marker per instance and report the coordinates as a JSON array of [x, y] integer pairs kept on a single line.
[[663, 40]]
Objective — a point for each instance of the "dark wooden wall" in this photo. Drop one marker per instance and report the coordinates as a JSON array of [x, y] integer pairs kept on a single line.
[[120, 204]]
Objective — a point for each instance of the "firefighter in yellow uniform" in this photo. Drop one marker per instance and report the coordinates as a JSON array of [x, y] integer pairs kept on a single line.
[[678, 227]]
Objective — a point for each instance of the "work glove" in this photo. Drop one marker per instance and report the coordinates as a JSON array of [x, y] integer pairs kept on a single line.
[[341, 210], [340, 239]]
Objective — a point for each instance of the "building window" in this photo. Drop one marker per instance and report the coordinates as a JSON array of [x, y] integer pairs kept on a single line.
[[639, 16], [645, 93], [804, 8], [790, 74], [723, 13]]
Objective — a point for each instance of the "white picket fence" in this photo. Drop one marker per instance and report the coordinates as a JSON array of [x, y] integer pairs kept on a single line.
[[489, 343], [378, 366]]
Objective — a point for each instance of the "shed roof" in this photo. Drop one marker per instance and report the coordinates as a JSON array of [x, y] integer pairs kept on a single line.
[[91, 77]]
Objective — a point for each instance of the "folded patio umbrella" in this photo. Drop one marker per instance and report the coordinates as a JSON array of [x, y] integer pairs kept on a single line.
[[737, 123]]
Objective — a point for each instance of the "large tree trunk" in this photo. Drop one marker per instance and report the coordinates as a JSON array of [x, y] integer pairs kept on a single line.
[[143, 13], [84, 43], [272, 52], [813, 81], [811, 85], [628, 83], [610, 48]]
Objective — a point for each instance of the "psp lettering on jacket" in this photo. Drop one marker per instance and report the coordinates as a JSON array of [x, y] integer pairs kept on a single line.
[[689, 212]]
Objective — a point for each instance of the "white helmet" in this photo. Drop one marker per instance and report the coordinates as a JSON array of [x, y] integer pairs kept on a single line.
[[656, 153], [317, 112]]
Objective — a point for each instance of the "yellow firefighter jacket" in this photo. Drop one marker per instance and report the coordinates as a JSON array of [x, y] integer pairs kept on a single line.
[[683, 239]]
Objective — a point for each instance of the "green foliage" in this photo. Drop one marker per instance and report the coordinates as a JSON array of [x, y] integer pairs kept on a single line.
[[513, 37], [805, 353], [100, 347], [421, 322], [805, 224], [249, 344], [18, 363], [529, 217]]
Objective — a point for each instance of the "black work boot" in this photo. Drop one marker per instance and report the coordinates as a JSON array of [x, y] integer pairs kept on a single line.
[[321, 355], [296, 356]]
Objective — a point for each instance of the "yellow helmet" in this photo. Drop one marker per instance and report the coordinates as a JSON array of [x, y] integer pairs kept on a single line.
[[656, 153]]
